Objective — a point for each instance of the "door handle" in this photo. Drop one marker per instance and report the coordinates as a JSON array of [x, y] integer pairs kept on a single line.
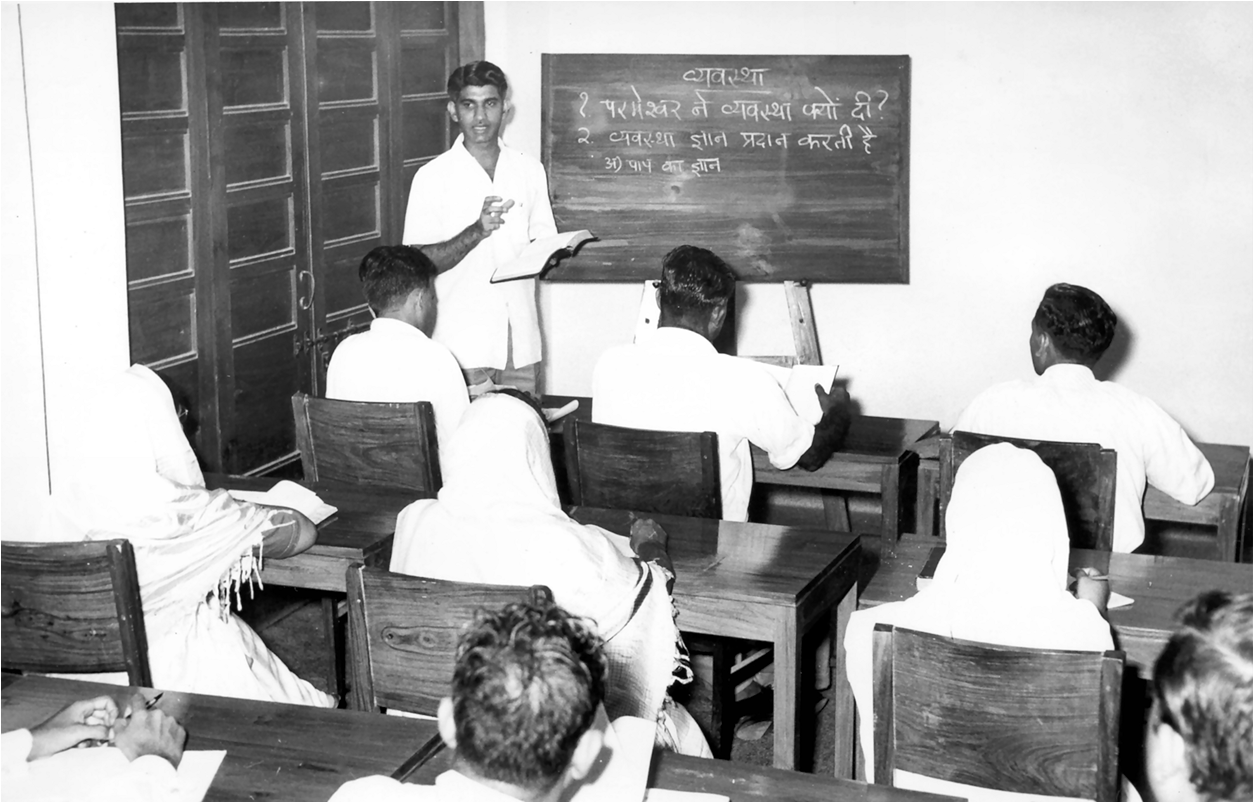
[[305, 302]]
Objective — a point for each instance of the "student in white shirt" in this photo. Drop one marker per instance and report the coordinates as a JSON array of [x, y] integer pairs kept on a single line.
[[1071, 330], [397, 361], [472, 209], [526, 688], [1198, 744], [673, 379], [145, 747]]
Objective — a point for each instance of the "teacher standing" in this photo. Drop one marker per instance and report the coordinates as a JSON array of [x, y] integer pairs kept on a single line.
[[472, 209]]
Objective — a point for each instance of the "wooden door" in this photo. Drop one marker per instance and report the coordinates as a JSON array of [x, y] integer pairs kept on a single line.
[[267, 147], [376, 100]]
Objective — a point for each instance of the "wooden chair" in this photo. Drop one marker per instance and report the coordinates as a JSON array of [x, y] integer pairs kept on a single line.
[[73, 608], [403, 633], [643, 470], [674, 473], [1042, 722], [1086, 480], [391, 445]]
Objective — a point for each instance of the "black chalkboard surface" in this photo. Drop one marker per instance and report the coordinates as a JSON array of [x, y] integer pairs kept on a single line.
[[789, 167]]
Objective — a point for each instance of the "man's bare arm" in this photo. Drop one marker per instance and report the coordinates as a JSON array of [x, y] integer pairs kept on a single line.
[[451, 252]]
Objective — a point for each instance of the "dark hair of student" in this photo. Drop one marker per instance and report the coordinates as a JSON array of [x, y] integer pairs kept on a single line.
[[476, 73], [1202, 686], [522, 396], [390, 273], [525, 689], [1080, 323], [694, 280]]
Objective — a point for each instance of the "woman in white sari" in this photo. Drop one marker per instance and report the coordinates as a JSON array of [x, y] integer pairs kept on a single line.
[[497, 520], [1002, 580], [135, 477]]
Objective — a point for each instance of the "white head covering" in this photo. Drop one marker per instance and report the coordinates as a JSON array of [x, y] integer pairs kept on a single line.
[[1002, 579], [497, 520]]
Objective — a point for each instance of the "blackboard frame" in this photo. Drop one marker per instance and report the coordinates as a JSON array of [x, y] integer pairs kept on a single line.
[[786, 213]]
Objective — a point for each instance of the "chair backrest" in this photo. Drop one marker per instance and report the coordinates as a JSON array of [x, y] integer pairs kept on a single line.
[[1085, 473], [643, 470], [403, 632], [73, 607], [380, 444], [1043, 722]]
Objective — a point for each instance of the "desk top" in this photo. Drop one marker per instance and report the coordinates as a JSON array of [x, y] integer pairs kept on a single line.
[[1159, 585], [729, 560], [275, 751]]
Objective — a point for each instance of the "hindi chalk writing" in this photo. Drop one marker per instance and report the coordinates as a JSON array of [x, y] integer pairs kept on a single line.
[[801, 159]]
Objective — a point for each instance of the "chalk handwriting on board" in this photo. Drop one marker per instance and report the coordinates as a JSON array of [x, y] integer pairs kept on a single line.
[[797, 166]]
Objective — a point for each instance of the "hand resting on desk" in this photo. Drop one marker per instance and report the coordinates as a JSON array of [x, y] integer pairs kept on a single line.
[[830, 432]]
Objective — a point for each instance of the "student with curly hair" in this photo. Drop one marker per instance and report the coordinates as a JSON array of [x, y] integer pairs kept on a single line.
[[1198, 745]]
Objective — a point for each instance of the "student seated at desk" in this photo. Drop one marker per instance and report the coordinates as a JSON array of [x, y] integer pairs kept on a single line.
[[134, 476], [397, 361], [498, 520], [672, 379], [1198, 746], [1002, 580], [1071, 331], [144, 747], [526, 688]]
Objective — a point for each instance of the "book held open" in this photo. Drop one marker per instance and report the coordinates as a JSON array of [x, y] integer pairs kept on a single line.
[[536, 256]]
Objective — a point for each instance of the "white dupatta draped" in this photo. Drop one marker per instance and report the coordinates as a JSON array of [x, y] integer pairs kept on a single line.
[[136, 477], [497, 520], [1002, 579]]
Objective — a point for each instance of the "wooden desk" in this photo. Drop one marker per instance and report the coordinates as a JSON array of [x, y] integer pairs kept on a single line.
[[875, 458], [1222, 508], [1159, 585], [735, 780], [766, 583], [274, 751]]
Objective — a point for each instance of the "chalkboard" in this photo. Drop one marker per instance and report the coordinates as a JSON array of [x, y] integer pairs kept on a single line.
[[788, 167]]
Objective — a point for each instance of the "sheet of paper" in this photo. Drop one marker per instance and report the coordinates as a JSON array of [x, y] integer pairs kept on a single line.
[[535, 257], [652, 795], [1118, 601], [622, 769], [551, 414], [798, 383], [290, 494]]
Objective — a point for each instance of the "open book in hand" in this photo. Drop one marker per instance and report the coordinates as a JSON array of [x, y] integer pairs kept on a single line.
[[536, 256], [798, 383], [290, 494]]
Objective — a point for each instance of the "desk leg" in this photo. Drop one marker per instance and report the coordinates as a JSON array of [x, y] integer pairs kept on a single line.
[[335, 644], [788, 684], [1226, 531], [844, 732], [890, 521]]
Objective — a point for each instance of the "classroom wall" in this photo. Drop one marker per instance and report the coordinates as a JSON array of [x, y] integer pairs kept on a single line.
[[1101, 144], [64, 248]]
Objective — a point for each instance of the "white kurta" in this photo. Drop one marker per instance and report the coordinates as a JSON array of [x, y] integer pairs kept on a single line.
[[396, 362], [136, 477], [1067, 403], [478, 320], [449, 786], [1003, 579], [673, 379]]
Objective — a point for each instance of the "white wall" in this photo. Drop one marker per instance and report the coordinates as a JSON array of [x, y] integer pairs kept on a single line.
[[64, 247], [1108, 145]]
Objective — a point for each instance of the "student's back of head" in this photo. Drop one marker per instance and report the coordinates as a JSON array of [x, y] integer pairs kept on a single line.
[[696, 288], [526, 688], [1079, 323], [1199, 742], [399, 281]]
